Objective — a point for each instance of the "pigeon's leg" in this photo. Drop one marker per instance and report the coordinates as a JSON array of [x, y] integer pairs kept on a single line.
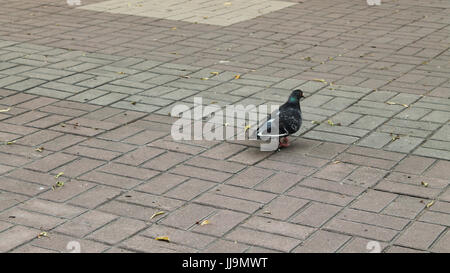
[[284, 142]]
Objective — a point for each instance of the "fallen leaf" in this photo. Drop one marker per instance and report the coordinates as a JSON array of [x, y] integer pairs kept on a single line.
[[237, 77], [121, 73], [156, 214], [204, 79], [425, 184], [205, 222], [163, 238], [267, 212], [10, 142], [5, 110], [315, 122], [40, 149], [215, 73], [395, 137], [42, 234], [430, 204], [307, 59], [186, 77], [246, 128], [174, 28], [59, 174], [336, 162], [395, 103], [331, 123], [320, 80], [133, 103], [58, 184]]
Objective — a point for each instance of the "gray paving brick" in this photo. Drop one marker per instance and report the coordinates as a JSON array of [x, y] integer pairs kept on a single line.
[[108, 98], [404, 144], [25, 85], [49, 93]]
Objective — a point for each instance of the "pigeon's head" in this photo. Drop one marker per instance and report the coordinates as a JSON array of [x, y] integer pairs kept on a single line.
[[296, 95]]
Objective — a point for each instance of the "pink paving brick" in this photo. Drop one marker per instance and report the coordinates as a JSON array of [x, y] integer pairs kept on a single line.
[[98, 108]]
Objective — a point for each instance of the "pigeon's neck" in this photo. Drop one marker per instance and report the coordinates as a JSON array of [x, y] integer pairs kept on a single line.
[[293, 102]]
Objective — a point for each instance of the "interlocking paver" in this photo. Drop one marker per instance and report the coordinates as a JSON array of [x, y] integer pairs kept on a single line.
[[95, 100]]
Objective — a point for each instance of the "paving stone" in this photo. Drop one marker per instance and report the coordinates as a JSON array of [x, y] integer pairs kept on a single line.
[[414, 164], [117, 231], [335, 189], [442, 244], [16, 236], [420, 235], [263, 239], [323, 241], [374, 201]]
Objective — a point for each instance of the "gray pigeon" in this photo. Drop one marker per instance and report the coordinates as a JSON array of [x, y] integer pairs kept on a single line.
[[284, 121]]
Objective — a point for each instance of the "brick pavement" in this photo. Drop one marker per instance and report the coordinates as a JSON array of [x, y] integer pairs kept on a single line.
[[87, 156]]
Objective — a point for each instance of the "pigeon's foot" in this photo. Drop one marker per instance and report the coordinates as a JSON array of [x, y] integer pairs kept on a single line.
[[284, 142]]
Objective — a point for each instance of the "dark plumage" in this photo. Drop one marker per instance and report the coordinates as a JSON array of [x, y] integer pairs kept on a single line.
[[284, 121]]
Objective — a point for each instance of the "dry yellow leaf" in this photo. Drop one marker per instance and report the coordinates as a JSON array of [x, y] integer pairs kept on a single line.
[[174, 28], [237, 77], [40, 149], [59, 174], [336, 162], [42, 234], [395, 137], [430, 204], [58, 184], [320, 80], [204, 222], [204, 79], [315, 122], [395, 103], [215, 73], [156, 214], [425, 184], [163, 238], [5, 110], [10, 142], [247, 127]]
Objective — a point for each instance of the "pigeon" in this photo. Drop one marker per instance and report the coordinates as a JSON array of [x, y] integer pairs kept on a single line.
[[283, 122]]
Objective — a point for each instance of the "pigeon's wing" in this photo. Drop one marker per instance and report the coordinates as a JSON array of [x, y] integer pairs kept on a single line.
[[271, 127], [291, 120]]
